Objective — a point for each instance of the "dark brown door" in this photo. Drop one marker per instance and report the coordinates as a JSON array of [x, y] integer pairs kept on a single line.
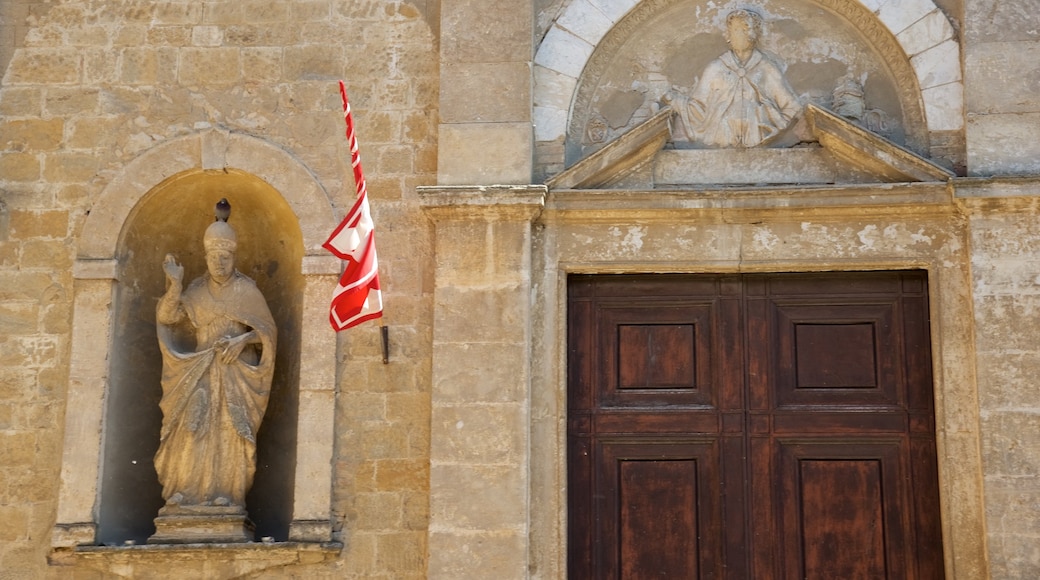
[[756, 426]]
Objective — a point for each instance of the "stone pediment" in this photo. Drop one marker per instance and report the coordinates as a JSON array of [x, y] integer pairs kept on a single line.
[[840, 152]]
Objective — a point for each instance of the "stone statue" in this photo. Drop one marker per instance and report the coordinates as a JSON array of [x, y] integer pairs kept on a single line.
[[742, 98], [849, 102], [214, 395]]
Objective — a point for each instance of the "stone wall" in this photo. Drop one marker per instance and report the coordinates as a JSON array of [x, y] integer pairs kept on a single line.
[[1006, 278], [1001, 49], [444, 467], [90, 87]]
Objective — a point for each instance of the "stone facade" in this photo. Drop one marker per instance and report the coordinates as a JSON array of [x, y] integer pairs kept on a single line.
[[449, 461]]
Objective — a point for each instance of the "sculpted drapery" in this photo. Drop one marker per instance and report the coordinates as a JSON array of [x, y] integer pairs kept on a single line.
[[215, 395], [742, 99]]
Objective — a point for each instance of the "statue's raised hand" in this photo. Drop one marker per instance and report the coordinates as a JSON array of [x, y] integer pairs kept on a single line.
[[174, 271]]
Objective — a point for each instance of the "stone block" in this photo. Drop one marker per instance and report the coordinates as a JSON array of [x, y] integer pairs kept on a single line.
[[1011, 443], [88, 36], [99, 67], [27, 225], [938, 65], [998, 77], [586, 22], [52, 254], [485, 92], [563, 52], [139, 66], [45, 66], [207, 35], [69, 167], [479, 372], [262, 64], [377, 511], [1007, 323], [944, 108], [481, 434], [16, 521], [999, 20], [478, 497], [401, 552], [318, 10], [1003, 144], [927, 32], [382, 442], [19, 167], [311, 61], [402, 474], [89, 132], [18, 318], [168, 35], [501, 33], [71, 101], [489, 315], [17, 449], [485, 153], [22, 101], [210, 67], [32, 134], [178, 13], [461, 554]]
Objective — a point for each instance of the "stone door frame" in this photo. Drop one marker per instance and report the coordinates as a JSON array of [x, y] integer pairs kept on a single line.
[[504, 254]]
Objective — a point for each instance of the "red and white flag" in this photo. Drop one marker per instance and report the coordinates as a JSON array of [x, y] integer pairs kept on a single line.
[[357, 297]]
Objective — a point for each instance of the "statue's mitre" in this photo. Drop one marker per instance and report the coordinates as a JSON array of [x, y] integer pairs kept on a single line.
[[220, 235]]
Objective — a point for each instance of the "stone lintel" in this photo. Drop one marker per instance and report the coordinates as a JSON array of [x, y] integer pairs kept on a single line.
[[89, 269], [502, 202], [870, 198]]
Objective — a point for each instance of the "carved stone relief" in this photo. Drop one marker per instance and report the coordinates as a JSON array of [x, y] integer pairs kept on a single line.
[[679, 53]]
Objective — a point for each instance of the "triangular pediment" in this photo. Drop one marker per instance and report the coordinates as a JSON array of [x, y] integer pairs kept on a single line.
[[841, 152]]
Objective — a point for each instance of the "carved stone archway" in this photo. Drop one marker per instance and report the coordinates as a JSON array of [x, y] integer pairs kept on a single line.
[[917, 44]]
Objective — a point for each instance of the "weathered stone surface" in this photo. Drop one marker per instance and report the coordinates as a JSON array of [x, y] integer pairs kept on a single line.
[[493, 153], [1003, 144], [1002, 81], [460, 82], [95, 99]]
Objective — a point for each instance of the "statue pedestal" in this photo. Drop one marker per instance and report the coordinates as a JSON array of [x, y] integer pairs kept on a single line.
[[202, 524]]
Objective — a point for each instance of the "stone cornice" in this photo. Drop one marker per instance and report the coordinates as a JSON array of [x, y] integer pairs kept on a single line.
[[502, 202], [751, 202]]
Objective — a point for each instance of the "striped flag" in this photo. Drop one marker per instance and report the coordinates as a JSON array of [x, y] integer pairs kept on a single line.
[[357, 297]]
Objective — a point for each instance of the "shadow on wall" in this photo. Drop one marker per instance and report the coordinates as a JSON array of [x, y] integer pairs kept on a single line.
[[171, 219]]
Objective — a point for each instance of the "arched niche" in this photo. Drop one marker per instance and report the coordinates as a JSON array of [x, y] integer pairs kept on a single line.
[[161, 203], [171, 218]]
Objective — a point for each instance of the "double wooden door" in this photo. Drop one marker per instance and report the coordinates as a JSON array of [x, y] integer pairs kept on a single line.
[[751, 426]]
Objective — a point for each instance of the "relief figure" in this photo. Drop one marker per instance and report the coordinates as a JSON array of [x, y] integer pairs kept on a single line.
[[742, 98], [213, 395]]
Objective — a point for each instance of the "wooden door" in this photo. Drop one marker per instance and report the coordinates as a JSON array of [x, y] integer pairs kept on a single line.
[[756, 426]]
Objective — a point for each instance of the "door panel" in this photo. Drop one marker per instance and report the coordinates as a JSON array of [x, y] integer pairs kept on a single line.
[[660, 509], [756, 426]]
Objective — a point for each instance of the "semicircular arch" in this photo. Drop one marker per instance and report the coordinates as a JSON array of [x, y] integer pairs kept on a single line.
[[207, 150], [917, 42]]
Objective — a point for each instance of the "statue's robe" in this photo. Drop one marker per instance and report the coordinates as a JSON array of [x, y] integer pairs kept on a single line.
[[212, 410], [736, 105]]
